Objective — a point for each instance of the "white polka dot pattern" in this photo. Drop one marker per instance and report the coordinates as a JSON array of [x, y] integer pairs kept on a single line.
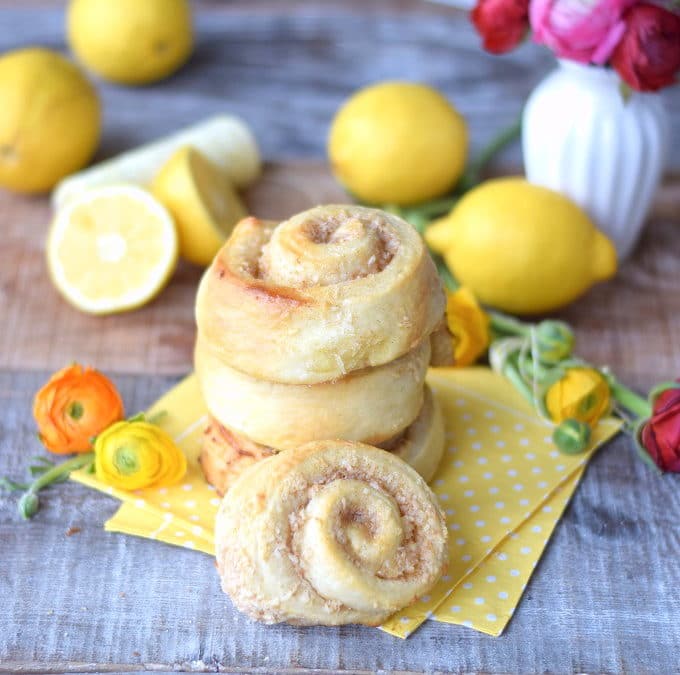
[[502, 530]]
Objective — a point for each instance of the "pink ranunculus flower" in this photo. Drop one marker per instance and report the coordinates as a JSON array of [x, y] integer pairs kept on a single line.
[[581, 30]]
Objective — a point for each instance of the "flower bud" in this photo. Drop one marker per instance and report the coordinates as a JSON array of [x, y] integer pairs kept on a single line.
[[571, 436], [582, 394], [660, 435], [555, 341], [28, 505]]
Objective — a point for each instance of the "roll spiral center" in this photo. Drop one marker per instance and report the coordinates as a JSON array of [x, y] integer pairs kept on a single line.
[[352, 531], [324, 251]]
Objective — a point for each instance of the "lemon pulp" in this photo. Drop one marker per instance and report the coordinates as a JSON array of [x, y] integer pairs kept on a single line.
[[112, 249]]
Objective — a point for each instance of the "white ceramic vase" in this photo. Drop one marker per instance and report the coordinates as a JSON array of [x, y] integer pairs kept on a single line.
[[580, 137]]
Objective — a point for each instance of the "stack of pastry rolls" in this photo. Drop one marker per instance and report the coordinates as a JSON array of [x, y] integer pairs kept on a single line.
[[319, 327]]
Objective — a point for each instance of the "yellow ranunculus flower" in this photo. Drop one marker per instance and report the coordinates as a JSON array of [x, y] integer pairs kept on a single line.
[[137, 454], [469, 325], [582, 394]]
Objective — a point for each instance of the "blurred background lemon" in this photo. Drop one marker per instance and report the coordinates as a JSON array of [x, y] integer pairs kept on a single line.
[[398, 143], [49, 119], [130, 41]]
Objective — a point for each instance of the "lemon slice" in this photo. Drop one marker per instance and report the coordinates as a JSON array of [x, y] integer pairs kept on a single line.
[[202, 200], [111, 249]]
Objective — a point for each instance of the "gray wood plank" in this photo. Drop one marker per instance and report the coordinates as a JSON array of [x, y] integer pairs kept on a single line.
[[603, 599]]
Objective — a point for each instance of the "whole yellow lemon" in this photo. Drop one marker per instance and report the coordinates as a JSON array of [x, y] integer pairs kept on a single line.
[[522, 248], [131, 41], [399, 143], [49, 119]]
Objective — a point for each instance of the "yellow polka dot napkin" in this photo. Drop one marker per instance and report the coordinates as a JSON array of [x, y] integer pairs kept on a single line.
[[502, 485], [184, 514]]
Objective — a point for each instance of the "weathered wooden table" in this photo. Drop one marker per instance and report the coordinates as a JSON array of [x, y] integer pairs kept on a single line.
[[604, 597]]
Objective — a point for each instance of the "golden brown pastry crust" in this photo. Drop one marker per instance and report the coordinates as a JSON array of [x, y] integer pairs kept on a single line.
[[369, 405], [225, 455], [331, 290], [336, 533], [422, 443], [443, 346]]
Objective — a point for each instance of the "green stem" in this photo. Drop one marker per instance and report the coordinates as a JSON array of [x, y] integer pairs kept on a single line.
[[444, 273], [29, 503], [472, 175], [629, 399], [512, 373], [77, 462], [507, 325], [433, 208]]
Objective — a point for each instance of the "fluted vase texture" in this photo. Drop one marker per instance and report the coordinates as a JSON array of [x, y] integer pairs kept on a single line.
[[582, 137]]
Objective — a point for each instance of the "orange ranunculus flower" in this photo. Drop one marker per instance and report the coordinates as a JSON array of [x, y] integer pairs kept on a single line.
[[74, 406]]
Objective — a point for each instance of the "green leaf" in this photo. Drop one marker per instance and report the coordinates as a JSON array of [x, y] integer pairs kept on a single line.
[[12, 486], [418, 220], [659, 389], [43, 460], [641, 450], [157, 417]]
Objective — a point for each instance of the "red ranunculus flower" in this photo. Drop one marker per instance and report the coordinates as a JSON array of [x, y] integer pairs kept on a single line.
[[501, 23], [648, 56], [660, 436]]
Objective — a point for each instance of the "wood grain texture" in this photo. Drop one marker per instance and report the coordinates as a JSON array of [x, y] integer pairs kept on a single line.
[[603, 599], [42, 331], [631, 324]]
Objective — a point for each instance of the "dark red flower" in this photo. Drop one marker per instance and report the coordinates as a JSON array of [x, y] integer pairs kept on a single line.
[[501, 23], [648, 56], [660, 436]]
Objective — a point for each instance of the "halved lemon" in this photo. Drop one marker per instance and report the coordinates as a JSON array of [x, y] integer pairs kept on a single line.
[[202, 200], [111, 249]]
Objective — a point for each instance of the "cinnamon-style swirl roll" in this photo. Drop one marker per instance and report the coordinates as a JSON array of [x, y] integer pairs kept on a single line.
[[331, 290], [329, 533]]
